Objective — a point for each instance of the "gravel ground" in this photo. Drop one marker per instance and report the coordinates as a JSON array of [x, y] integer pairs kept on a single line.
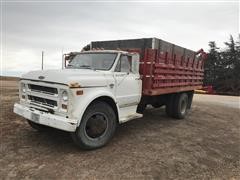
[[206, 145]]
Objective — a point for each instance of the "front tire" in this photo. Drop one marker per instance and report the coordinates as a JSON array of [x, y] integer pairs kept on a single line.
[[97, 126]]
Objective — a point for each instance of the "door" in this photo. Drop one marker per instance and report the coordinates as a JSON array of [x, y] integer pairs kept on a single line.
[[128, 85]]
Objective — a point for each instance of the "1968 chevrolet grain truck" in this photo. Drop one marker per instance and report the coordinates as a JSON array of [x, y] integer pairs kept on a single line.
[[108, 83]]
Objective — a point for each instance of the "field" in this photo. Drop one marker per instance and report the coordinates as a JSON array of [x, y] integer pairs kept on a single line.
[[206, 145]]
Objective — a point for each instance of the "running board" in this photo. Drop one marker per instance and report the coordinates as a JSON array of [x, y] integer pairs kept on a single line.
[[130, 117]]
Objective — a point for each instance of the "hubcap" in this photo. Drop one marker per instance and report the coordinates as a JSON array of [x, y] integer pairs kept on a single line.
[[183, 106], [96, 125]]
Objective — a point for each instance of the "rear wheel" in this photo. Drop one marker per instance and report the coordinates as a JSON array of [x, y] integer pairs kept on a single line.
[[156, 105], [180, 106], [97, 126], [169, 105], [38, 127]]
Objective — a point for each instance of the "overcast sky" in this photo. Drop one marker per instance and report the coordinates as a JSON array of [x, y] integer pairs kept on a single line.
[[30, 27]]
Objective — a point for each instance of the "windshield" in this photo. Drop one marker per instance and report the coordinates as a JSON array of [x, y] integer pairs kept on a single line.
[[96, 61]]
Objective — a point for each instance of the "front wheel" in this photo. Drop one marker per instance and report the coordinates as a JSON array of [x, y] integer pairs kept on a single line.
[[97, 126]]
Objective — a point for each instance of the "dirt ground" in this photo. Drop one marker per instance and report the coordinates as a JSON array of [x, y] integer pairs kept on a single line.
[[206, 145]]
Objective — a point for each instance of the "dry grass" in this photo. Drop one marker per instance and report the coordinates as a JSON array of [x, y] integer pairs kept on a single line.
[[203, 146]]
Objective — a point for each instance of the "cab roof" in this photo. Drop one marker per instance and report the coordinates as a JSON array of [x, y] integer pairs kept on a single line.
[[101, 51], [106, 51]]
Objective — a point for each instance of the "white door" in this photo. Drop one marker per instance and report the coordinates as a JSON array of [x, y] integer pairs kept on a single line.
[[128, 85]]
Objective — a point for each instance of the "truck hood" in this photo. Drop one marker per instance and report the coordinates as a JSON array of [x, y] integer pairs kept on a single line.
[[85, 77]]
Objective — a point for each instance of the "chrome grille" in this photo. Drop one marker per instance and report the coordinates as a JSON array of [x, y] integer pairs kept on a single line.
[[43, 89], [42, 101]]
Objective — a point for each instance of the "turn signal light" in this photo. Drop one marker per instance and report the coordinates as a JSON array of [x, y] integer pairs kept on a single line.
[[79, 92], [64, 106]]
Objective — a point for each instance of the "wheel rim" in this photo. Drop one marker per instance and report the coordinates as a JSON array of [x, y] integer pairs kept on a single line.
[[183, 106], [96, 125]]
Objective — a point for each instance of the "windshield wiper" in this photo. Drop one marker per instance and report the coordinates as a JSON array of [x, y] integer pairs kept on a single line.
[[86, 67], [69, 66], [79, 67]]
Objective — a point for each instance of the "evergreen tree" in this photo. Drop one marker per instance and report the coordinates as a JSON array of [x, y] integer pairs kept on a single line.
[[210, 65], [229, 80], [222, 68]]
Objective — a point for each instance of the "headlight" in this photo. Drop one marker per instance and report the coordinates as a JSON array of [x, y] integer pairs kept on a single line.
[[23, 86], [64, 96]]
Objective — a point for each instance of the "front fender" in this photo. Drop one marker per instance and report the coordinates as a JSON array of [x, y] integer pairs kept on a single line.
[[81, 103]]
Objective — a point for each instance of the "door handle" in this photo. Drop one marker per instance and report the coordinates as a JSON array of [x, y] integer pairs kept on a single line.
[[111, 85]]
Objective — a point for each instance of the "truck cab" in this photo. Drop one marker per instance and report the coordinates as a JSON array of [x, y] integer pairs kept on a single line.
[[88, 98]]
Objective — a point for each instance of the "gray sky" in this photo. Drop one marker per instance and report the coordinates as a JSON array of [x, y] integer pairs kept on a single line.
[[30, 27]]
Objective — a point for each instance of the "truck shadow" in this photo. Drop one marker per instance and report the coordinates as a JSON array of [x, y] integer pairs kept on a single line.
[[153, 121]]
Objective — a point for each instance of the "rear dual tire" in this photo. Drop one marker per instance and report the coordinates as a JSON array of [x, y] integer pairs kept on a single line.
[[177, 106], [169, 105]]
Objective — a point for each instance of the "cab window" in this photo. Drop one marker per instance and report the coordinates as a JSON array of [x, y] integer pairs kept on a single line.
[[124, 64]]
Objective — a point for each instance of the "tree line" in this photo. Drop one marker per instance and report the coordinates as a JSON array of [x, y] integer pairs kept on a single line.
[[222, 67]]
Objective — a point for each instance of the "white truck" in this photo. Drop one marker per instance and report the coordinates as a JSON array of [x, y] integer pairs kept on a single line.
[[97, 90]]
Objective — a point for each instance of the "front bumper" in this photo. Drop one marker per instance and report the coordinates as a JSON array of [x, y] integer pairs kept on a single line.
[[46, 119]]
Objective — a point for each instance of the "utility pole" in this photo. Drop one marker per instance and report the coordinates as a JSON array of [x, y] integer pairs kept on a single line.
[[42, 59]]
